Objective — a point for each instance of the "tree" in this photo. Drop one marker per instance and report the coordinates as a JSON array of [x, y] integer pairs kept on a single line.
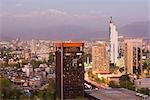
[[51, 58], [50, 90], [46, 94], [6, 54], [145, 91], [125, 82], [105, 81], [114, 69], [94, 77], [18, 65], [35, 63], [113, 84], [124, 78], [145, 65], [121, 69], [8, 90], [24, 62], [5, 85]]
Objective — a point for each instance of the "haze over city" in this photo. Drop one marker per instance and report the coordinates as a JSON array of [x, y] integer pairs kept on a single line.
[[72, 19]]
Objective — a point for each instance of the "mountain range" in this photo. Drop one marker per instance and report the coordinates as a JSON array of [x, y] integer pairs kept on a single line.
[[76, 32]]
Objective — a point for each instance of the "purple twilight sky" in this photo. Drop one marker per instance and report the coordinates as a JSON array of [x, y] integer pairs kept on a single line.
[[72, 19]]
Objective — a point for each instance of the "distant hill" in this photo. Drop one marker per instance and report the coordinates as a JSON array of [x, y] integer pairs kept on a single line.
[[62, 32], [136, 29], [76, 32]]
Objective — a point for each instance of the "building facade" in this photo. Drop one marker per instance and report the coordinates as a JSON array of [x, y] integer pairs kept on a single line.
[[113, 35], [133, 56], [100, 59], [120, 60], [69, 70]]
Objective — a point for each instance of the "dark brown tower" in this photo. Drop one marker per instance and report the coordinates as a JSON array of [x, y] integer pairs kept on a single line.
[[69, 70]]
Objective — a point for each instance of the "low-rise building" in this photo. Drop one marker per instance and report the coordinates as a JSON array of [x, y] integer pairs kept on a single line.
[[28, 69]]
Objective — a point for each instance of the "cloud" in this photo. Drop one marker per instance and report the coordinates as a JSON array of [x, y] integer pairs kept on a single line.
[[22, 15], [48, 12], [50, 18], [19, 5], [55, 13], [50, 21], [95, 13]]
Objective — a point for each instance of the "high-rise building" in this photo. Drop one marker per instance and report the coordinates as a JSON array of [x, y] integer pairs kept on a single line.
[[120, 60], [33, 47], [113, 34], [133, 56], [100, 59], [69, 70]]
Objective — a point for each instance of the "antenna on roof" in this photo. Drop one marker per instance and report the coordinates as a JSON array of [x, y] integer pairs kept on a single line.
[[110, 19]]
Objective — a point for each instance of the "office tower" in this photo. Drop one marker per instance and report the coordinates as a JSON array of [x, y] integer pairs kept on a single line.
[[133, 56], [33, 47], [100, 59], [69, 70], [120, 60], [113, 34]]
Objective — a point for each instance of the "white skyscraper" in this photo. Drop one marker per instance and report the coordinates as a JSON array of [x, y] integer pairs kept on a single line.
[[113, 42]]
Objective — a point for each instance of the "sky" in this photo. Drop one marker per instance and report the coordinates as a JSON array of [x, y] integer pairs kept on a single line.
[[21, 18]]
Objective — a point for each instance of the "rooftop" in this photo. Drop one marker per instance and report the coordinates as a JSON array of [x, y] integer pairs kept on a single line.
[[113, 94], [71, 44]]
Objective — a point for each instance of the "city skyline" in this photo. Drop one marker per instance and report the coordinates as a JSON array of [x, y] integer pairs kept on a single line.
[[77, 20], [74, 49]]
